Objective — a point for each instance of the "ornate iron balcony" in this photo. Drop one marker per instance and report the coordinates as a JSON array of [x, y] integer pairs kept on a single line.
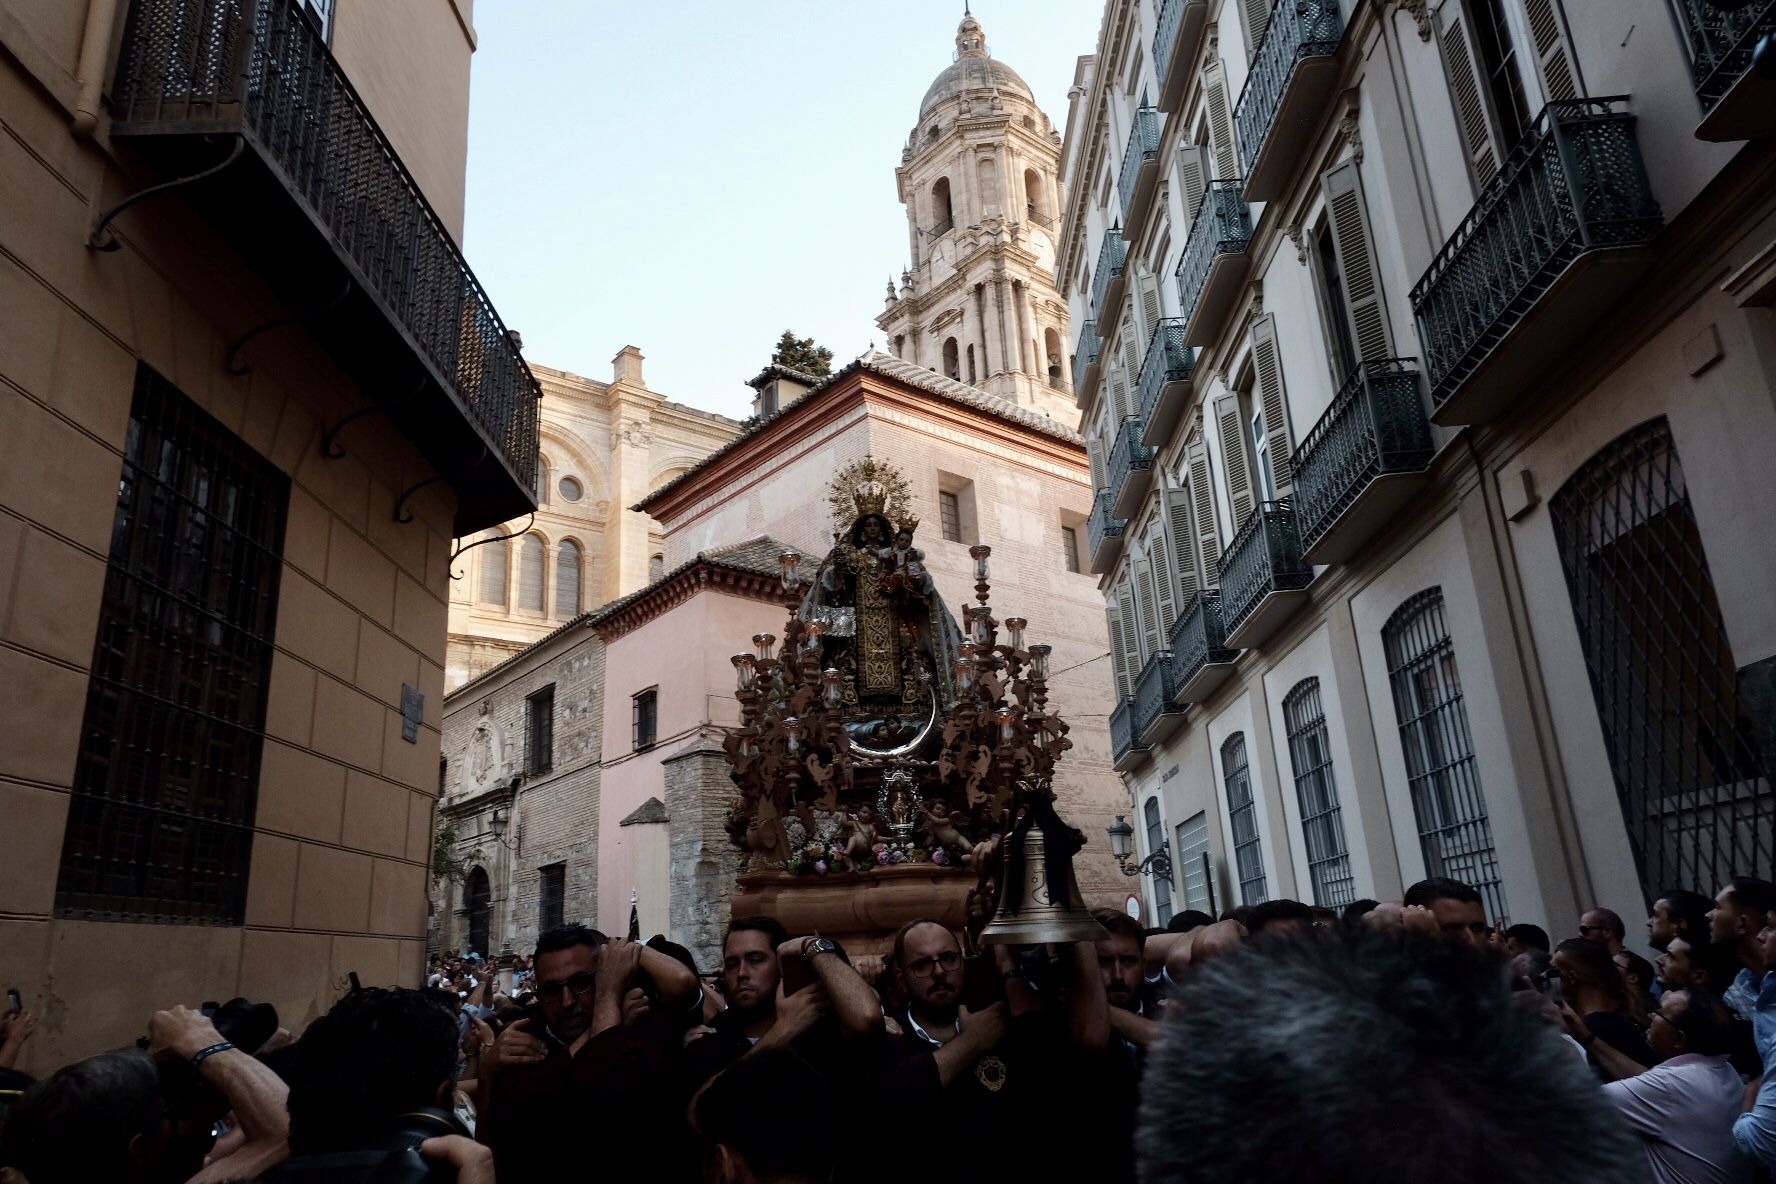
[[1124, 743], [1199, 643], [1290, 70], [1153, 696], [1168, 367], [1574, 190], [322, 206], [1263, 560], [1103, 528], [1176, 36], [1375, 428], [1129, 462], [1721, 46], [1142, 151], [1084, 358], [1213, 263], [1107, 279]]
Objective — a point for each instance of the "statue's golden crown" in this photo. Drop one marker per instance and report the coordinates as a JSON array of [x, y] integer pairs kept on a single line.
[[870, 497]]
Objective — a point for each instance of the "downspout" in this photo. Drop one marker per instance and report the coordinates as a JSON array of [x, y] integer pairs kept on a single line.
[[101, 18]]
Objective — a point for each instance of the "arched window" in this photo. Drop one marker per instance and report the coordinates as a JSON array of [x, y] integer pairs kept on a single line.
[[1035, 198], [1051, 349], [951, 364], [1322, 821], [987, 181], [1242, 816], [656, 569], [567, 579], [943, 216], [542, 481], [478, 900], [493, 570], [971, 375], [530, 574]]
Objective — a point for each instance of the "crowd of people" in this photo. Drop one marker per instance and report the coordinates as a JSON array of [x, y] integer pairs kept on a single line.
[[1402, 1041]]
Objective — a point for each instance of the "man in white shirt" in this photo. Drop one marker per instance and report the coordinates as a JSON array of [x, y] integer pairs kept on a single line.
[[1683, 1108]]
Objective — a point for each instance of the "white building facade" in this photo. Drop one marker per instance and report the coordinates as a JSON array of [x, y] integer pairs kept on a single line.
[[1426, 361]]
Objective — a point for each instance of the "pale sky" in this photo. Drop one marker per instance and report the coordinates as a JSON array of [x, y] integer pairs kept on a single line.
[[693, 177]]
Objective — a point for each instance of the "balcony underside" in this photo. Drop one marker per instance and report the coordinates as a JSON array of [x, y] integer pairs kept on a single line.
[[1191, 23], [1086, 393], [1380, 501], [1221, 287], [1570, 305], [1105, 554], [1162, 727], [1266, 618], [1299, 112], [1132, 492], [1202, 683], [253, 207], [1168, 409], [1141, 202], [1746, 112], [1113, 289], [1130, 759]]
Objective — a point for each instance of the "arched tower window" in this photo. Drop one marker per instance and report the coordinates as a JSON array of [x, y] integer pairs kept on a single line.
[[567, 579], [1036, 198], [951, 362], [530, 574], [943, 215], [988, 175], [493, 571], [1051, 354], [971, 374]]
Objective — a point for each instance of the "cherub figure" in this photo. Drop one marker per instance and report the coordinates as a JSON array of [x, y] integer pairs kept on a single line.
[[941, 824], [861, 836]]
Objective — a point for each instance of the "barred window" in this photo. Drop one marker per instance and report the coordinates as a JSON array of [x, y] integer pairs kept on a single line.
[[1162, 886], [540, 757], [1070, 548], [1453, 829], [1322, 823], [1192, 859], [160, 824], [1242, 815], [949, 512], [551, 895], [646, 718]]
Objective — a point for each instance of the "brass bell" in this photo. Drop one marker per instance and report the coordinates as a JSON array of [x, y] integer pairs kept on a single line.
[[1033, 908]]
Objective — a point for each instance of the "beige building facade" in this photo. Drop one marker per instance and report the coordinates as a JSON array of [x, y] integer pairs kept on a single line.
[[604, 446], [233, 459], [1427, 396]]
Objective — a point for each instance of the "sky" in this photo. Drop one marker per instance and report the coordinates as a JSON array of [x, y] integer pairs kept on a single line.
[[694, 177]]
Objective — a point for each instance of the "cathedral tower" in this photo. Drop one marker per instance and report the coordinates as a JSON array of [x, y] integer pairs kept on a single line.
[[979, 179]]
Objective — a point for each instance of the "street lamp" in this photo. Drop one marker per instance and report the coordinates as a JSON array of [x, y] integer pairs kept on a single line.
[[502, 818], [1122, 835]]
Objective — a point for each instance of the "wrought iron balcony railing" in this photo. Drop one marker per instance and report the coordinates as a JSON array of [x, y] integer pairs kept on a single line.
[[1298, 31], [1124, 743], [1198, 641], [1127, 459], [1168, 362], [1221, 231], [1176, 37], [1085, 357], [1103, 526], [1264, 558], [1112, 256], [1721, 44], [1153, 695], [1142, 150], [1575, 184], [1165, 37], [320, 203], [1375, 427]]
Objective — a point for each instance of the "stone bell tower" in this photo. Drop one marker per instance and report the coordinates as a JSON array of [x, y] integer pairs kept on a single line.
[[979, 177]]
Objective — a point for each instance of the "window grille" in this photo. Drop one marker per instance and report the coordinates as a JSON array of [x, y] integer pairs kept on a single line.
[[551, 895], [160, 823], [1695, 800], [1162, 885], [1322, 822], [949, 510], [1190, 854], [1242, 814], [540, 757], [1453, 829], [1070, 547], [646, 717], [478, 902]]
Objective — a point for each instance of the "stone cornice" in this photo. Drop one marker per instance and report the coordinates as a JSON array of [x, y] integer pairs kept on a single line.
[[700, 575]]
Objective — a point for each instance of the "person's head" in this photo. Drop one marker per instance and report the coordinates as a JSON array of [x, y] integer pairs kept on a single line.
[[1350, 922], [1523, 937], [1280, 918], [767, 1119], [1457, 907], [378, 1055], [1187, 920], [903, 538], [1688, 1020], [1766, 940], [1636, 971], [750, 970], [1588, 972], [103, 1118], [1739, 911], [928, 968], [1119, 958], [1708, 964], [1420, 1065], [1679, 912], [567, 974], [1603, 927]]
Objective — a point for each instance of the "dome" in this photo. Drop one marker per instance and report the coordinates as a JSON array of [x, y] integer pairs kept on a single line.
[[973, 69]]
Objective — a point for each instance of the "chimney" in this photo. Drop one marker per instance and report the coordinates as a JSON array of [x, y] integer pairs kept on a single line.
[[776, 388], [626, 366]]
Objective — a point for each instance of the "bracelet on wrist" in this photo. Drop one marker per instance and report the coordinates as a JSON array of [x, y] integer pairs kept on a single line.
[[205, 1054]]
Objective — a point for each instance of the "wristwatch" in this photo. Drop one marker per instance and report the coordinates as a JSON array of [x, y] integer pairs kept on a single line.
[[818, 945]]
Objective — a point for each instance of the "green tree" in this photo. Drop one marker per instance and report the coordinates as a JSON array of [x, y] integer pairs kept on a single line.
[[448, 864], [800, 353]]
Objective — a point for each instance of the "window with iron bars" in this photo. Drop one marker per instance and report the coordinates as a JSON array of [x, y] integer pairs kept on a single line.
[[646, 718], [1322, 821], [949, 512], [1694, 796], [1453, 830], [1242, 816], [160, 823], [551, 895], [540, 709]]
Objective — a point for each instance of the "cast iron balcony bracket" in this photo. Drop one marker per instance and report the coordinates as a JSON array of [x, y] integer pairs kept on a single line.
[[231, 360], [1374, 428], [100, 238], [458, 547]]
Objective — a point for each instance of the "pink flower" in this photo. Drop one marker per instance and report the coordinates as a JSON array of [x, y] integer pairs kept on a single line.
[[940, 856], [820, 866]]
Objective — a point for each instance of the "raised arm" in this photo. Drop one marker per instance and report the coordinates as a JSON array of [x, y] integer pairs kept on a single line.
[[678, 986], [857, 1007], [255, 1094], [1088, 1018]]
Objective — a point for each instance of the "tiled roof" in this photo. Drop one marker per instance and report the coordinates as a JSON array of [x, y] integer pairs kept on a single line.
[[887, 365]]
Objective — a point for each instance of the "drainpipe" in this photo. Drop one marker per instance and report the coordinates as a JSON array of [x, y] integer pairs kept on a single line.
[[101, 17]]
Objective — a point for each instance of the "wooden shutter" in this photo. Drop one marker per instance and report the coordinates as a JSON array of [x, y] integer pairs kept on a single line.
[[495, 560], [1113, 619], [1131, 364], [1131, 656], [1273, 400], [1148, 594], [1227, 165], [567, 579], [1149, 306], [1165, 576], [1193, 179], [530, 573], [1357, 265], [1202, 504], [1182, 537], [1467, 90], [1257, 13], [1094, 452], [1236, 451], [1552, 58]]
